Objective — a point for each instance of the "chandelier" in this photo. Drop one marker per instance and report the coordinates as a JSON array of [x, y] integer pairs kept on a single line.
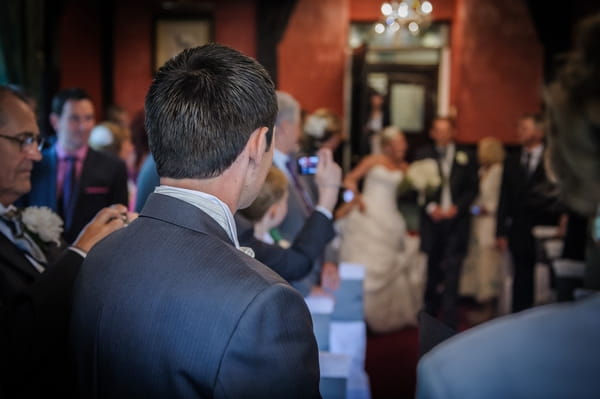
[[413, 15]]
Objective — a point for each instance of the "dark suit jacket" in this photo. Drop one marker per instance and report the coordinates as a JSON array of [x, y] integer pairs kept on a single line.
[[524, 202], [168, 307], [464, 185], [103, 182], [296, 261], [34, 314]]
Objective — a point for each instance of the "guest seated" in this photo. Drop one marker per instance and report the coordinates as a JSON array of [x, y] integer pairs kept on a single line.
[[551, 351]]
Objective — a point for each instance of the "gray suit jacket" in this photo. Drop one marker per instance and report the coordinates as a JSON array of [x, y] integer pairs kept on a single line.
[[168, 307], [546, 352]]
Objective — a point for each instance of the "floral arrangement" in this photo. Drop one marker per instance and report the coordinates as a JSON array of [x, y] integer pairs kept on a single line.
[[421, 179], [315, 126], [43, 225]]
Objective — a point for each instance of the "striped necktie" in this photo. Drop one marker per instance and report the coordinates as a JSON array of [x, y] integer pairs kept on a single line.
[[24, 241]]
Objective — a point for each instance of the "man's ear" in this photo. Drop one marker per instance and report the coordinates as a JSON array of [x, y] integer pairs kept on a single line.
[[258, 145], [54, 120]]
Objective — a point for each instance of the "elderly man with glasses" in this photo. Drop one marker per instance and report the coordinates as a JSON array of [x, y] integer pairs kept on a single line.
[[36, 271]]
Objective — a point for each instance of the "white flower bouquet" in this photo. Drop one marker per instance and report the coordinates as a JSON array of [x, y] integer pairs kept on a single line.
[[421, 179]]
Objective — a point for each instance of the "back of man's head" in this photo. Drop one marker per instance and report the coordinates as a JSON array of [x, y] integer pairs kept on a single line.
[[202, 107], [70, 94]]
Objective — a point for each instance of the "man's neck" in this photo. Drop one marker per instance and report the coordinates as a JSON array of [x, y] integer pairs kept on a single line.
[[217, 187]]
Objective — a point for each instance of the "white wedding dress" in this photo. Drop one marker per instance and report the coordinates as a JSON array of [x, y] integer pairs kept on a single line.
[[377, 239]]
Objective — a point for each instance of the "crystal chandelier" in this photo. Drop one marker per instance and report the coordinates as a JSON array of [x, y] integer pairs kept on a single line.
[[413, 15]]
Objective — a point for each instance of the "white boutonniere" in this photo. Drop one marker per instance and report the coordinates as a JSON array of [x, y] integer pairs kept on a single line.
[[43, 225], [462, 158]]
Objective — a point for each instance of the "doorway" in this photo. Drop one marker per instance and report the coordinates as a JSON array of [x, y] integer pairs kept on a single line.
[[412, 78]]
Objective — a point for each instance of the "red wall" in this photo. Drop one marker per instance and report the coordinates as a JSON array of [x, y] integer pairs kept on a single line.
[[133, 61], [312, 54], [79, 50], [133, 44], [497, 68], [235, 25]]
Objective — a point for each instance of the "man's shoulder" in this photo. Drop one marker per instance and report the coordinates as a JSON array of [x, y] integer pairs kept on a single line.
[[516, 343]]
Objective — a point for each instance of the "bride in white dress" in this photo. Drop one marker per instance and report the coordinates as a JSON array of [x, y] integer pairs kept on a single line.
[[374, 235]]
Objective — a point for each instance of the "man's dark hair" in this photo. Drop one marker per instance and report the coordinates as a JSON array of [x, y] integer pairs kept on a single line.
[[203, 106], [60, 98]]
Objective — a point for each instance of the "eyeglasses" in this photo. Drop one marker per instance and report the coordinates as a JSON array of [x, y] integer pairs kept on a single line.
[[26, 140]]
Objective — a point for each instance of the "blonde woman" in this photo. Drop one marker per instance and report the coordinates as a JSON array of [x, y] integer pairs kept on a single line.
[[374, 235], [481, 275]]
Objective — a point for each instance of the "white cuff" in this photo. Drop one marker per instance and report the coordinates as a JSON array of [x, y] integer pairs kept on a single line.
[[79, 251], [324, 211], [431, 207]]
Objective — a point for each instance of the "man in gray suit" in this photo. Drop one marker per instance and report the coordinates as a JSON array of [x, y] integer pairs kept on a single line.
[[173, 307]]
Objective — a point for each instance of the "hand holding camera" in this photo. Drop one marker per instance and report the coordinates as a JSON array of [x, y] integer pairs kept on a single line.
[[328, 177]]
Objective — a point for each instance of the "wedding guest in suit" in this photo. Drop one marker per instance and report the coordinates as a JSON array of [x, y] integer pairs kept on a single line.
[[73, 179], [550, 351], [172, 307], [445, 219], [525, 201], [291, 263], [36, 272], [301, 201]]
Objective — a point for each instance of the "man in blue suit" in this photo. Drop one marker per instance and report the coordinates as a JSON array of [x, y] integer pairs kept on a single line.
[[173, 307], [72, 179]]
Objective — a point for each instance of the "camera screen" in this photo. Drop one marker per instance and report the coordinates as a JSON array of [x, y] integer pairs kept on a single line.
[[308, 165]]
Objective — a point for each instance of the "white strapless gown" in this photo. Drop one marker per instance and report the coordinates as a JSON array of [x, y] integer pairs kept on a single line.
[[377, 239]]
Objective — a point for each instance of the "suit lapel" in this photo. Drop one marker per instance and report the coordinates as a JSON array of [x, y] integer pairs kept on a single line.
[[12, 256], [175, 211]]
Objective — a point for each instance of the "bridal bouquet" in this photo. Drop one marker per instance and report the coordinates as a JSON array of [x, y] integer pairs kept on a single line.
[[422, 179]]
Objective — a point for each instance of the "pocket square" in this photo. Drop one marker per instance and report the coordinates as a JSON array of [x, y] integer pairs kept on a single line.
[[96, 190]]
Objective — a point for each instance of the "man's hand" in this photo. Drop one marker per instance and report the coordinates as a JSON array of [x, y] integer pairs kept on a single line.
[[328, 178], [502, 243], [437, 214], [105, 222], [330, 277], [451, 212]]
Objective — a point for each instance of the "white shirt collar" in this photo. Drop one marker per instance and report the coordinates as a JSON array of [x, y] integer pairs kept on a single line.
[[280, 160], [211, 205]]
